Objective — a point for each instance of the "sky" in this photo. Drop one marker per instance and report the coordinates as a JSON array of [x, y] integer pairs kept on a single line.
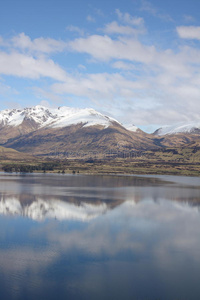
[[135, 60]]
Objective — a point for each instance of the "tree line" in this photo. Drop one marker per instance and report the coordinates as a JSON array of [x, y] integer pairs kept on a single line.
[[25, 168]]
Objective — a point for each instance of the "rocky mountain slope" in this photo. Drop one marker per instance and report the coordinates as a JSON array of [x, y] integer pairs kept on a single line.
[[43, 131], [179, 135], [41, 116], [16, 122], [79, 132], [11, 154]]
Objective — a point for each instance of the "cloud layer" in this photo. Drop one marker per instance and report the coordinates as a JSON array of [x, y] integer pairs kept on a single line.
[[189, 32], [122, 69]]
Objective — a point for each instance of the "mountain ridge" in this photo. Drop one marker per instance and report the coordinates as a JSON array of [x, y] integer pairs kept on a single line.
[[54, 117], [41, 130], [47, 131], [191, 127]]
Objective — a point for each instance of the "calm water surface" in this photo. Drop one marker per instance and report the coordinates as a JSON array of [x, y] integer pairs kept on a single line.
[[99, 237]]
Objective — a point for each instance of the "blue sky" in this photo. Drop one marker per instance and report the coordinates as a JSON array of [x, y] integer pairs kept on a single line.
[[135, 60]]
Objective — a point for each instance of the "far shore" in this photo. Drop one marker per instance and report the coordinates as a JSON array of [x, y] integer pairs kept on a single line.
[[104, 167]]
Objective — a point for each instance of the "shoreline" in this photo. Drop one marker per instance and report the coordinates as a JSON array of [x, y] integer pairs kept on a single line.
[[104, 167], [188, 174]]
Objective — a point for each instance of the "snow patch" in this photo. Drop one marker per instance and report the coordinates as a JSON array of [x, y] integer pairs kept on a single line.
[[131, 127], [55, 118], [178, 128]]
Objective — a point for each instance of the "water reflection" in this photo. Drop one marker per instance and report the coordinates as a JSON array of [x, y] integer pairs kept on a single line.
[[84, 198], [138, 240], [38, 208]]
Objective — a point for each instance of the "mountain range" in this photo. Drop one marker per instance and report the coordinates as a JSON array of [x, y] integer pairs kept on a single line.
[[46, 131], [43, 131]]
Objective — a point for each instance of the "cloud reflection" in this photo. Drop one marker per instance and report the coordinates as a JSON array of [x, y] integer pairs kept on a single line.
[[150, 238]]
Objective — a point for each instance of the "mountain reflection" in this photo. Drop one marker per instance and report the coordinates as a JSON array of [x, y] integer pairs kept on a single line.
[[39, 208], [84, 198], [120, 237]]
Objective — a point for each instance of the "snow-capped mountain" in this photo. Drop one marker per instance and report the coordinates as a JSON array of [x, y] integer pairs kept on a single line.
[[193, 127], [54, 118], [40, 130]]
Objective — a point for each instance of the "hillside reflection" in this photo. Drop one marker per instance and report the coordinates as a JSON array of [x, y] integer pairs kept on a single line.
[[112, 237], [83, 207], [40, 208], [83, 198]]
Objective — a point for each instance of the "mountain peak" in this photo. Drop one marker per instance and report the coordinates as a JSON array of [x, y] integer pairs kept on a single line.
[[192, 127], [54, 117]]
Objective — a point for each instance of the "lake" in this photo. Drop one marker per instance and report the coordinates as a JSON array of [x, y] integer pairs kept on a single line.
[[99, 237]]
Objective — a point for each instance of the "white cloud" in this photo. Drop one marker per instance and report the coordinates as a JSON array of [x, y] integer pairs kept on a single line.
[[45, 103], [46, 95], [148, 7], [1, 41], [123, 66], [189, 32], [155, 84], [44, 45], [149, 84], [21, 65], [104, 48], [115, 28], [154, 11], [127, 18], [91, 19], [82, 67], [76, 29], [94, 86]]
